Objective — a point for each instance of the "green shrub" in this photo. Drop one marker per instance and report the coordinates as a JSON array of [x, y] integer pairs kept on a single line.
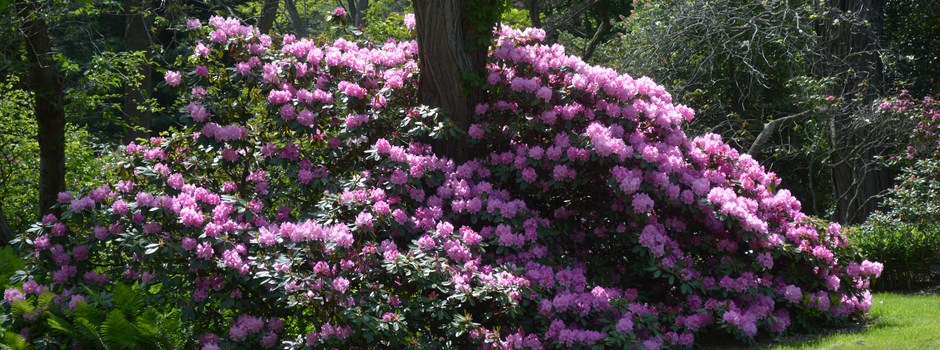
[[910, 252]]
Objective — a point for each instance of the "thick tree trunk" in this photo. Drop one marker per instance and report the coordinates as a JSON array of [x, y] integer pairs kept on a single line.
[[451, 48], [268, 15], [852, 52], [137, 38], [48, 108]]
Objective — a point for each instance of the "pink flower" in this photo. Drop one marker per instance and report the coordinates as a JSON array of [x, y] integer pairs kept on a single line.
[[173, 78], [193, 24], [64, 197], [13, 294], [410, 21], [642, 203], [426, 243], [339, 12], [356, 120], [792, 293], [340, 284], [204, 251], [476, 132], [625, 325]]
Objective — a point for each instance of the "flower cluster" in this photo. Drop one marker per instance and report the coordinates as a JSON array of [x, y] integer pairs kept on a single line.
[[301, 193]]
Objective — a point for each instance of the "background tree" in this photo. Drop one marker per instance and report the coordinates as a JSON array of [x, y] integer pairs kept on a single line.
[[47, 87]]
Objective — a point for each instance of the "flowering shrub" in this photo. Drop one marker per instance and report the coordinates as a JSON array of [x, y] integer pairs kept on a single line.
[[916, 198], [906, 235], [303, 207]]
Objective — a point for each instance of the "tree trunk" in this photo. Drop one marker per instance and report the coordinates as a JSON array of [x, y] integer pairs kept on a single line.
[[452, 54], [6, 233], [268, 15], [48, 107], [602, 29], [852, 55], [300, 28], [137, 38], [535, 13]]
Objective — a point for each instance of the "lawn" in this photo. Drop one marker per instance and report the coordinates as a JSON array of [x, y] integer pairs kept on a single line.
[[898, 322]]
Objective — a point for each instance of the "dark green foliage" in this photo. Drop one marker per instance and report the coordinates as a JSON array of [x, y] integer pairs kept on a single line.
[[912, 37]]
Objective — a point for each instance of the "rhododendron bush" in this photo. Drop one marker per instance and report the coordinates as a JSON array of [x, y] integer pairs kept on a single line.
[[302, 206]]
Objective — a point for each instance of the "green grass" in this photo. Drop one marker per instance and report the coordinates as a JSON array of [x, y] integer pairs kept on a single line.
[[898, 322]]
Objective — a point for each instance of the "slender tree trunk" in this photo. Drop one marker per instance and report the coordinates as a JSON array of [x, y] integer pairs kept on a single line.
[[352, 11], [535, 15], [137, 38], [48, 107], [852, 52], [268, 15], [363, 7], [300, 29], [603, 28], [452, 53], [6, 233]]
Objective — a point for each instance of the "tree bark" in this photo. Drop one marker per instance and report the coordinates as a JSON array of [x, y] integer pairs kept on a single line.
[[137, 38], [534, 13], [268, 15], [6, 233], [852, 52], [451, 49], [49, 105], [300, 29]]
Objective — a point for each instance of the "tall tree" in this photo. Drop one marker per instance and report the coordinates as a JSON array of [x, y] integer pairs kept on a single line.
[[137, 39], [851, 33], [453, 38], [48, 108]]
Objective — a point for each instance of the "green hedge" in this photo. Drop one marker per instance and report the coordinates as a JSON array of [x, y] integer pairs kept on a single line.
[[910, 252]]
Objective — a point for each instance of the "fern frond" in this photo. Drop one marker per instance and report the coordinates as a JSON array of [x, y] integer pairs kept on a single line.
[[21, 307], [60, 325], [128, 299], [89, 332], [119, 333], [15, 341]]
